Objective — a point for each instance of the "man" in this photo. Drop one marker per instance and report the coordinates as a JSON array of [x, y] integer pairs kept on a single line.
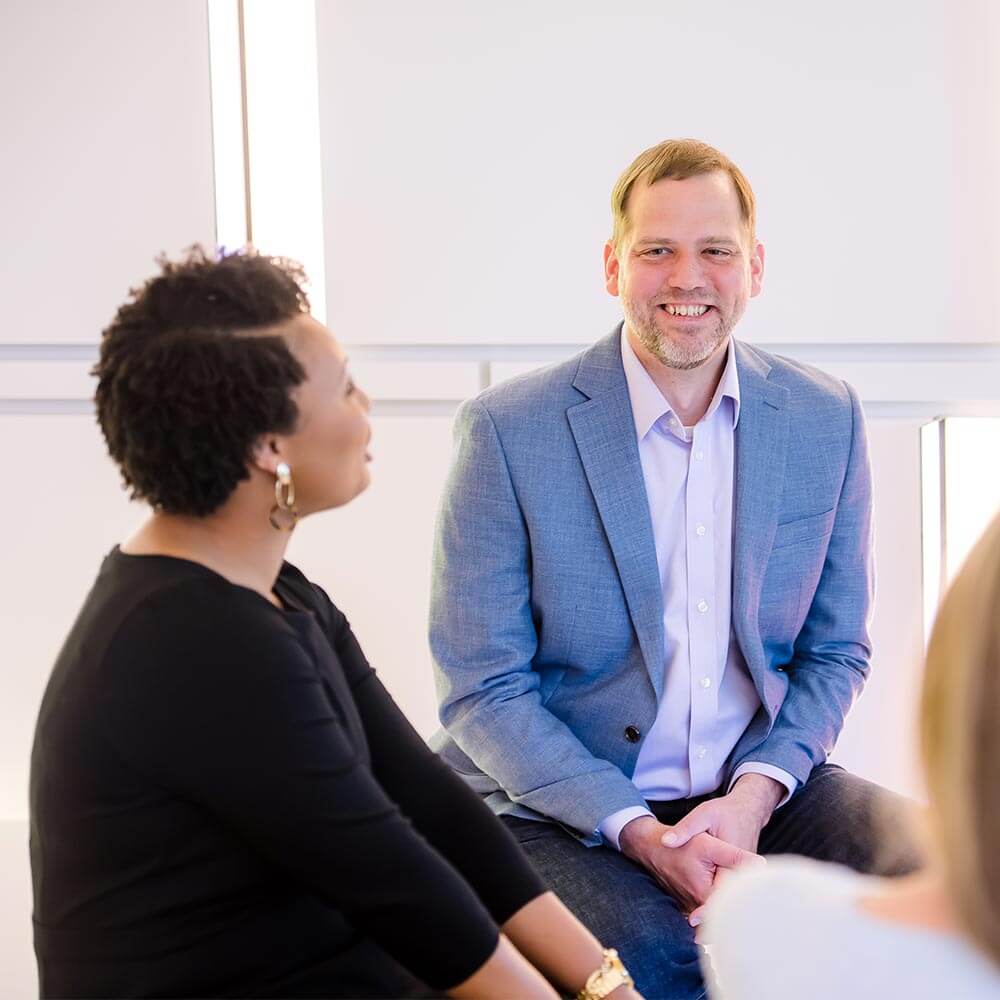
[[653, 583]]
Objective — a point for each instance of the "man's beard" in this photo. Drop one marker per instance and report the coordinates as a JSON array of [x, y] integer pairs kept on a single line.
[[683, 356]]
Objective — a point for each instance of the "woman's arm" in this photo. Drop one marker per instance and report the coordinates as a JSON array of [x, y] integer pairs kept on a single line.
[[224, 707], [505, 974], [555, 942]]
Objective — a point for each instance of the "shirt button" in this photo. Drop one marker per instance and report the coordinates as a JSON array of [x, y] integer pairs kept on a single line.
[[700, 752], [700, 530], [699, 455], [703, 606], [632, 734], [706, 682]]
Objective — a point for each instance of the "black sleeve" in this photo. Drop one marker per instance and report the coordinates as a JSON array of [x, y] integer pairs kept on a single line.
[[222, 704], [442, 807]]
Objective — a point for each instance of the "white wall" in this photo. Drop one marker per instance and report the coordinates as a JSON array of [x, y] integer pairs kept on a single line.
[[468, 153], [470, 149], [107, 156]]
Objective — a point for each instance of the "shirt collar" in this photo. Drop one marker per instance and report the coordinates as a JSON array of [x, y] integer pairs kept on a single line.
[[648, 403]]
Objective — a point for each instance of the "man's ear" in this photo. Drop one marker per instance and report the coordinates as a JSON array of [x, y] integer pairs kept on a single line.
[[610, 268], [266, 454], [756, 269]]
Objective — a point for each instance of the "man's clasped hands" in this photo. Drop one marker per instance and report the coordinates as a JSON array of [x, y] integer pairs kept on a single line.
[[689, 858]]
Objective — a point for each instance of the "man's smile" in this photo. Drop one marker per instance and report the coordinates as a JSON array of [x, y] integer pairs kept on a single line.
[[690, 310]]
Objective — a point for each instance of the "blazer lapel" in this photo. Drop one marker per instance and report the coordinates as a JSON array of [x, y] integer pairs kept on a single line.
[[761, 446], [604, 430]]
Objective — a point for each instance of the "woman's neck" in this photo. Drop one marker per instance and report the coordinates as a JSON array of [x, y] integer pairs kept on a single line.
[[246, 550]]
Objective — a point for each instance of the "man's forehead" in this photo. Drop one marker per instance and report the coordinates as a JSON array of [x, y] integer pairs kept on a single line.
[[714, 190], [708, 202]]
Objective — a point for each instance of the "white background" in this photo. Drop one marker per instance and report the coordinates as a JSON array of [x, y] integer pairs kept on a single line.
[[468, 152]]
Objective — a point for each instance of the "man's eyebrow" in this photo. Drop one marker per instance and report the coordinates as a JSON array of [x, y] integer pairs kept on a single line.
[[665, 241]]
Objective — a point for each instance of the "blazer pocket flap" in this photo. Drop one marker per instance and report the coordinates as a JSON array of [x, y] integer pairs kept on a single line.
[[804, 528]]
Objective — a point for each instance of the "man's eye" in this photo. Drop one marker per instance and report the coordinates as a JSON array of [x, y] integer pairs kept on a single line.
[[656, 252], [350, 387], [719, 252]]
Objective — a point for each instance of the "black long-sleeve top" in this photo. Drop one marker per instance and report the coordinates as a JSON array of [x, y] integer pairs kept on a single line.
[[226, 801]]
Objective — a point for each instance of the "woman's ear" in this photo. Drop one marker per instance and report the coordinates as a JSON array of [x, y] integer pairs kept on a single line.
[[266, 454]]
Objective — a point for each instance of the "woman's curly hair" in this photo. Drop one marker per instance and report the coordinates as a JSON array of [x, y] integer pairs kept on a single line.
[[185, 388]]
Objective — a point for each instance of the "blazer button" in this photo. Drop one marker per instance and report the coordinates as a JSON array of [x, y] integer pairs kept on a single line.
[[632, 734]]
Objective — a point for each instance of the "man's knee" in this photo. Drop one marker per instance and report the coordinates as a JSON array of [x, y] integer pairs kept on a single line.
[[840, 817], [622, 905]]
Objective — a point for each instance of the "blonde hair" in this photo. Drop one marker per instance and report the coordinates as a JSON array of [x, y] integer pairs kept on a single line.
[[960, 740], [678, 159]]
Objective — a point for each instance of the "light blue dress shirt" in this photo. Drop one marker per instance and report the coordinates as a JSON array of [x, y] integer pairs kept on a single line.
[[708, 695]]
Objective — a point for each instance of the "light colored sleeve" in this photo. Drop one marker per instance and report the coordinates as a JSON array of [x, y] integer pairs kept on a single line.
[[769, 771], [610, 829]]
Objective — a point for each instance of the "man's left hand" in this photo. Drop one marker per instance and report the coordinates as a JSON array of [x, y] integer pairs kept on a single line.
[[736, 818]]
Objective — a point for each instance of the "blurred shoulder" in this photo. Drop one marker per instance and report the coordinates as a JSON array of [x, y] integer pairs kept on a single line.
[[770, 928], [784, 882]]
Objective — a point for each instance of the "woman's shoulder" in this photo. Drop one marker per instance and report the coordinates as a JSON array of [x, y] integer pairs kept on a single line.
[[293, 580], [166, 606]]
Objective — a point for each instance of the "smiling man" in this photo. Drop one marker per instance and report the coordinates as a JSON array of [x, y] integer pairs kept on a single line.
[[652, 587]]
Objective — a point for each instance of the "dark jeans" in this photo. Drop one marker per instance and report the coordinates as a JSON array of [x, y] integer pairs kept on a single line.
[[835, 816]]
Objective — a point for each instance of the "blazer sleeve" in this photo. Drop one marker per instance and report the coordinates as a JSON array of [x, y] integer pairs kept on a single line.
[[222, 704], [483, 640], [832, 652]]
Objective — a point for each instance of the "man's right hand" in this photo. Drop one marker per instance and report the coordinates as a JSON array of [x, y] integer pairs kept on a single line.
[[686, 873]]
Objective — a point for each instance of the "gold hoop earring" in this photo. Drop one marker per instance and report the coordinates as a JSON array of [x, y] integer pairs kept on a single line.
[[284, 514]]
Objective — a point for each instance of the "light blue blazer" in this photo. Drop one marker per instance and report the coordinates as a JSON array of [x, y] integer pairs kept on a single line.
[[546, 612]]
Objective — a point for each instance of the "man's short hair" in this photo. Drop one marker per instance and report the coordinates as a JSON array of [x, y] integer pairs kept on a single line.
[[678, 159]]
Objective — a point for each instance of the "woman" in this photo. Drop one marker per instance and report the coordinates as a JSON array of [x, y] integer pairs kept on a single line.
[[800, 929], [224, 799]]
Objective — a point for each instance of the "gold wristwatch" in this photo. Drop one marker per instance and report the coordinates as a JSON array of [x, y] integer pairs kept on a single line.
[[608, 977]]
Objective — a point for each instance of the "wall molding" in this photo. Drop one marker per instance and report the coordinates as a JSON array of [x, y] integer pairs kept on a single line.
[[895, 381]]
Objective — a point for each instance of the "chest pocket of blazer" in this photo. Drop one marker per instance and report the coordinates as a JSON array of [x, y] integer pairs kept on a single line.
[[804, 529]]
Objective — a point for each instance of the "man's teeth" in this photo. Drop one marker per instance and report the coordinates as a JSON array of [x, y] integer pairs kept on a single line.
[[686, 310]]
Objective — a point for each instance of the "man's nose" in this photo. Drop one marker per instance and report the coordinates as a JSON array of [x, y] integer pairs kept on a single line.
[[686, 271]]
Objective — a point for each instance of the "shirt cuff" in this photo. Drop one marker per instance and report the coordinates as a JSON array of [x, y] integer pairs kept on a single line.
[[769, 771], [612, 826]]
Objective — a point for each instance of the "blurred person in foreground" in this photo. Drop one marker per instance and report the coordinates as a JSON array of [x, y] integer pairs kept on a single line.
[[798, 928], [224, 798]]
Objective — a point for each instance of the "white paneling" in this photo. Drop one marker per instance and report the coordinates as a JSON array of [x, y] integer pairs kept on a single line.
[[17, 957], [417, 379], [879, 739], [107, 155], [398, 380], [972, 484], [283, 136], [469, 151], [373, 557], [46, 380], [64, 509]]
